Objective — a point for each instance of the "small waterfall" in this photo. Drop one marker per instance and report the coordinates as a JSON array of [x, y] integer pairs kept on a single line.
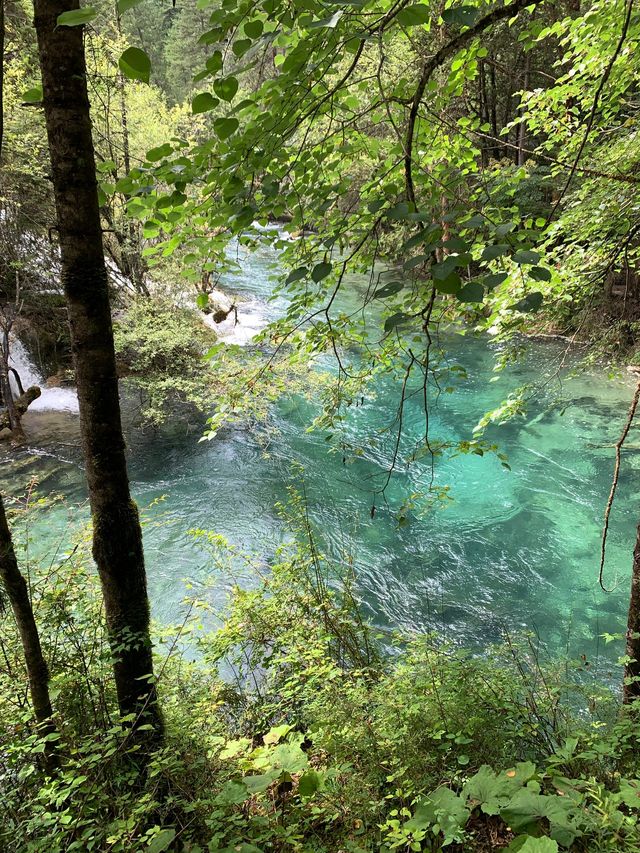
[[51, 399]]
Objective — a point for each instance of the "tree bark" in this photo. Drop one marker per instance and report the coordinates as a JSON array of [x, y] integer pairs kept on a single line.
[[14, 414], [2, 38], [37, 670], [117, 539], [631, 685]]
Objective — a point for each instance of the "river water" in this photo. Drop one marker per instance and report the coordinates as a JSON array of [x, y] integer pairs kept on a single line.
[[511, 550]]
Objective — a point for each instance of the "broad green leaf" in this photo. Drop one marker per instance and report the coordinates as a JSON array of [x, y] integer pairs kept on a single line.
[[395, 320], [214, 63], [530, 303], [321, 271], [450, 284], [33, 96], [309, 783], [225, 127], [460, 16], [297, 275], [411, 16], [471, 292], [161, 841], [389, 289], [125, 5], [226, 88], [202, 300], [329, 23], [241, 46], [540, 274], [494, 279], [158, 153], [490, 253], [254, 29], [76, 17], [276, 734], [523, 842], [203, 102], [525, 256], [135, 64], [257, 784]]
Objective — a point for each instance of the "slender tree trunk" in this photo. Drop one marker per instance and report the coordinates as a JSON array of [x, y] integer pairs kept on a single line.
[[15, 420], [631, 688], [37, 671], [117, 539], [522, 129], [2, 37], [494, 109]]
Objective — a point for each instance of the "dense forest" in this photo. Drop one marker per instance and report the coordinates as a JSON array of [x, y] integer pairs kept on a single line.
[[319, 370]]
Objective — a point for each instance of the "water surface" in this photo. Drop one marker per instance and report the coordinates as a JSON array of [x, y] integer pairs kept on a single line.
[[513, 549]]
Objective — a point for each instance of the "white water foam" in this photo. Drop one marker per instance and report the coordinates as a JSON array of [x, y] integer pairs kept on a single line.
[[51, 399]]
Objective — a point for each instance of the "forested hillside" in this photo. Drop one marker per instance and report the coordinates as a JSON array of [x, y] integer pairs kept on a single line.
[[319, 369]]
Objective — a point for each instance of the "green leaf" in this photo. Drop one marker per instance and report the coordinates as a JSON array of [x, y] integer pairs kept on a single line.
[[442, 808], [161, 841], [226, 88], [450, 284], [125, 5], [494, 279], [490, 253], [254, 29], [257, 784], [394, 320], [225, 127], [389, 289], [275, 734], [540, 274], [202, 300], [399, 211], [460, 16], [309, 783], [158, 153], [412, 16], [530, 303], [329, 23], [203, 102], [539, 845], [214, 63], [297, 275], [76, 17], [33, 96], [135, 64], [471, 292], [524, 256], [241, 46], [321, 271]]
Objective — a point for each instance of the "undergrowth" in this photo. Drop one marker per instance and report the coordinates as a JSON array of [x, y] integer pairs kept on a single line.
[[291, 728]]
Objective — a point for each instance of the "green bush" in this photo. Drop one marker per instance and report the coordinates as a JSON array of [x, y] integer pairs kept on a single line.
[[296, 727]]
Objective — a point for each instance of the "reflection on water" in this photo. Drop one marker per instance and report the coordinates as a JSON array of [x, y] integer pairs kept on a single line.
[[514, 548]]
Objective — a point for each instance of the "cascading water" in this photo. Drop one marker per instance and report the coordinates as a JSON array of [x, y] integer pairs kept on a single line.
[[51, 399]]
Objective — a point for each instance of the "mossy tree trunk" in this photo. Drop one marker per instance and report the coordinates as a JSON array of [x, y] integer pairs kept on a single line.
[[17, 592], [117, 540]]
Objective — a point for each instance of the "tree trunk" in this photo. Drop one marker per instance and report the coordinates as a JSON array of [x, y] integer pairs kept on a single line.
[[37, 671], [2, 37], [14, 415], [631, 688], [117, 539], [522, 129]]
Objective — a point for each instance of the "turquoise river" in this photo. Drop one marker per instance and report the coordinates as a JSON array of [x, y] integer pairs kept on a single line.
[[514, 549]]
